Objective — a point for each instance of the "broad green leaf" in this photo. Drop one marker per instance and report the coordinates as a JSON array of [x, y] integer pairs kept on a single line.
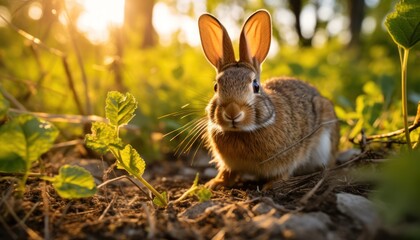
[[102, 137], [74, 182], [120, 108], [158, 202], [4, 106], [131, 159], [404, 23], [22, 141]]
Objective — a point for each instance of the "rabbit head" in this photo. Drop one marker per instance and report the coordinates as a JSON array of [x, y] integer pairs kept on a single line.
[[239, 103]]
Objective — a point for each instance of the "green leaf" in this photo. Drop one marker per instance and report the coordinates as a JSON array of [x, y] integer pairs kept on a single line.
[[22, 141], [203, 194], [102, 137], [119, 109], [404, 23], [131, 160], [158, 202], [74, 182], [4, 106], [397, 193]]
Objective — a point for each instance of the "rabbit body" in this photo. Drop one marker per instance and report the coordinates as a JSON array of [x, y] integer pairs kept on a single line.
[[272, 131]]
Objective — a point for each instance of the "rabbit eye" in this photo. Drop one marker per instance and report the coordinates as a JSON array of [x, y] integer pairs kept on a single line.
[[256, 86], [215, 87]]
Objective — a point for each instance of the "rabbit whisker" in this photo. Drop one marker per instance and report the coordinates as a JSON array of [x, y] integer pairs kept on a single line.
[[195, 132], [182, 129]]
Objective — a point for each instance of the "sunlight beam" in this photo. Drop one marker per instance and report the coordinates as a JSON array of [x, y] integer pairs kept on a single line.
[[98, 17]]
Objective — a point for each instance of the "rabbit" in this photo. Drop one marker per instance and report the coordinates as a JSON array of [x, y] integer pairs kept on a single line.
[[273, 130]]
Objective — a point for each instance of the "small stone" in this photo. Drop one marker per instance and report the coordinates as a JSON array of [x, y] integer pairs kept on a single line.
[[313, 225], [197, 210], [270, 224], [95, 166], [360, 209], [306, 226], [261, 208]]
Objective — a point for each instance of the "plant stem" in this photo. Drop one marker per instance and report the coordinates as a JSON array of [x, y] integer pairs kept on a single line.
[[404, 60], [140, 178], [150, 187]]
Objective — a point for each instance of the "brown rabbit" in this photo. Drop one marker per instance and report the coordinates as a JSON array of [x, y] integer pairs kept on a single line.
[[272, 131]]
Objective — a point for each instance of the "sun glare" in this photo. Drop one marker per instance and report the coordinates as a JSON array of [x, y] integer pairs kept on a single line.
[[98, 17]]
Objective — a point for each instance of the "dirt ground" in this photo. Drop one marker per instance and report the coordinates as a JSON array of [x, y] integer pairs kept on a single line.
[[120, 210]]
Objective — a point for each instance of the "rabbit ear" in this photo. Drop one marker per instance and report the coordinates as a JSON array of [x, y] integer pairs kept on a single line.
[[215, 40], [255, 38]]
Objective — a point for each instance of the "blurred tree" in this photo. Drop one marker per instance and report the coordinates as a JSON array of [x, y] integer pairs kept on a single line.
[[296, 8], [139, 16], [357, 14]]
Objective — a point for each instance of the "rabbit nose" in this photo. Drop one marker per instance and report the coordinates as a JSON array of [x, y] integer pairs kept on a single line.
[[233, 113]]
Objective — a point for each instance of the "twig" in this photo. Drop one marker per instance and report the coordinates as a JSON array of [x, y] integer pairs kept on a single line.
[[7, 228], [31, 233], [127, 177], [70, 81], [28, 214], [33, 39], [394, 133], [219, 235], [299, 141], [12, 99], [411, 128], [47, 233], [308, 195], [71, 29], [38, 61], [295, 183], [64, 213], [69, 118], [7, 195], [28, 83], [68, 143], [107, 208], [66, 118], [151, 220], [111, 180]]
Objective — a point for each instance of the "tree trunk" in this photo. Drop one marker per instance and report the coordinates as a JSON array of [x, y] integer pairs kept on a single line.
[[296, 7], [357, 14], [139, 16]]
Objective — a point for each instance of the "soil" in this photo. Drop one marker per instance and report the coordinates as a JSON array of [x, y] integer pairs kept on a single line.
[[120, 210]]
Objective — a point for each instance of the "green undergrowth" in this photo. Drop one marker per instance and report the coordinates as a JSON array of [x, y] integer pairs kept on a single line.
[[119, 110], [23, 141]]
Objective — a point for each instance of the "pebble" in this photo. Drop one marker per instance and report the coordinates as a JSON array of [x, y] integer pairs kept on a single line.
[[261, 208], [314, 225], [197, 210], [361, 210]]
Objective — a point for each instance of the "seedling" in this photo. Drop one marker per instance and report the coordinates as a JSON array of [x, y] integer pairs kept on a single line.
[[119, 110], [404, 27], [202, 193]]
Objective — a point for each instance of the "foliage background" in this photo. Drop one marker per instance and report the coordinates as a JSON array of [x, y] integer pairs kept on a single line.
[[356, 64]]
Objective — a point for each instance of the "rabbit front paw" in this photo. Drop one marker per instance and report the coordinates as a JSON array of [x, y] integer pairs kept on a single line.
[[224, 178]]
